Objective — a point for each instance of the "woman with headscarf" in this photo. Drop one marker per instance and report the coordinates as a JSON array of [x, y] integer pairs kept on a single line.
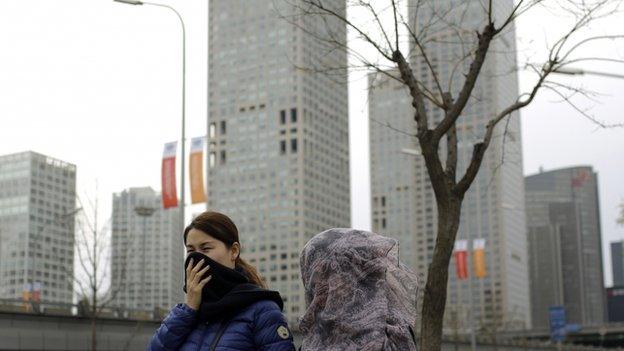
[[358, 295]]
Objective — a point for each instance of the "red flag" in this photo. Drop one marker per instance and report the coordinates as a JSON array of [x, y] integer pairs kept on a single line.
[[168, 176], [461, 259]]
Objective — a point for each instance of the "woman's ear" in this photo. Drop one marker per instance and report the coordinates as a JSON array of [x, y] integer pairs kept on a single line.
[[234, 252]]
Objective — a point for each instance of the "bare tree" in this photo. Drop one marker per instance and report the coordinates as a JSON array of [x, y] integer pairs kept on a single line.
[[439, 104], [92, 286]]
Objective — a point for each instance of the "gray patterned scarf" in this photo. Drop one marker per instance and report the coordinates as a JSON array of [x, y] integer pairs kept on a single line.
[[359, 296]]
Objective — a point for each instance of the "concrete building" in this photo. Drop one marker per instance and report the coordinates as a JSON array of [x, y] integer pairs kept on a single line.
[[37, 203], [147, 265], [565, 245], [493, 208], [617, 262], [279, 146]]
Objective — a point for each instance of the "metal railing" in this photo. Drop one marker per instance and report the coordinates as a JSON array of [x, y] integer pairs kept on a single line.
[[79, 310]]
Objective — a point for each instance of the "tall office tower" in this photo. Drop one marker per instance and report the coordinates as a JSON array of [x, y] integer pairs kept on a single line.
[[617, 263], [37, 205], [147, 265], [493, 208], [565, 251], [396, 174], [278, 137]]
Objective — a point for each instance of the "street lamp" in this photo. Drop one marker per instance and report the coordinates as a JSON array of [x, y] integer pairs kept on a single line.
[[580, 72], [411, 152], [182, 171]]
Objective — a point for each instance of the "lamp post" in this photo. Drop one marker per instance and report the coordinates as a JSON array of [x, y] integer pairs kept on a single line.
[[183, 139], [581, 72]]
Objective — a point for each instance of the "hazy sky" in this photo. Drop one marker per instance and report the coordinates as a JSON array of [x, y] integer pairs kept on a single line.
[[97, 84]]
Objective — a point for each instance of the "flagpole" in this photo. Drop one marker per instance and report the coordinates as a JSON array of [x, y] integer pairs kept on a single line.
[[207, 157], [473, 339]]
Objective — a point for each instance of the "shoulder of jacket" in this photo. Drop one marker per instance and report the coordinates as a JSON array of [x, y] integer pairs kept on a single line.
[[264, 305], [261, 309]]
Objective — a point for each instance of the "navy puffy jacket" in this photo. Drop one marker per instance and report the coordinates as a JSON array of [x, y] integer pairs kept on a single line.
[[260, 326]]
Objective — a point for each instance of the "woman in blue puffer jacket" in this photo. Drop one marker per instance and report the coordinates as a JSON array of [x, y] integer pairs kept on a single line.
[[227, 306]]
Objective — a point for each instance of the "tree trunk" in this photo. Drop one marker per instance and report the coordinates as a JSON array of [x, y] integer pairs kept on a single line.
[[434, 302], [94, 313], [93, 331], [93, 339]]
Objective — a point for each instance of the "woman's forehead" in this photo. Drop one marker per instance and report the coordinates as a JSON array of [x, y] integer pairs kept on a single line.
[[197, 237]]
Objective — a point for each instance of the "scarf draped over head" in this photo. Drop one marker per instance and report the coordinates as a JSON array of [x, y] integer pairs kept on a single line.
[[359, 296]]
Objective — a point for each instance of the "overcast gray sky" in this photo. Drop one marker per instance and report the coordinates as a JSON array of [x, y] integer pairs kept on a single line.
[[97, 83]]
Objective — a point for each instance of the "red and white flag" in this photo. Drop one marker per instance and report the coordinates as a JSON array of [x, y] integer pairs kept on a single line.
[[196, 165], [168, 176], [460, 253]]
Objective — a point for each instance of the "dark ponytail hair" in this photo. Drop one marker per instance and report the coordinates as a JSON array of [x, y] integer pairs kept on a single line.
[[222, 228]]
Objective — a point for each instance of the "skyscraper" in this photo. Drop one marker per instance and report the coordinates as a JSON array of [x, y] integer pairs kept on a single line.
[[37, 204], [147, 266], [565, 251], [278, 137], [493, 208], [617, 263], [397, 181]]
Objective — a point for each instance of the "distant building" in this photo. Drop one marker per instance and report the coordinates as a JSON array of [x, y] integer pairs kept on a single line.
[[565, 255], [146, 249], [37, 205], [278, 135]]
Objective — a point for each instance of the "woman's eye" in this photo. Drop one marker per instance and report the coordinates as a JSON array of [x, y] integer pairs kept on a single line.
[[189, 251], [206, 248]]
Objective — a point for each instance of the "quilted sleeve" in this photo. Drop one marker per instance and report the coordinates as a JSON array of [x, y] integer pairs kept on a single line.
[[174, 329], [271, 332]]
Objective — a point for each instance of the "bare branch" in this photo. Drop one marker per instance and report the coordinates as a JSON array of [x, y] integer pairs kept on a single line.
[[389, 126], [583, 112], [485, 38], [434, 74], [71, 279], [318, 5], [573, 91], [417, 97], [516, 12], [381, 27], [396, 24], [479, 149]]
